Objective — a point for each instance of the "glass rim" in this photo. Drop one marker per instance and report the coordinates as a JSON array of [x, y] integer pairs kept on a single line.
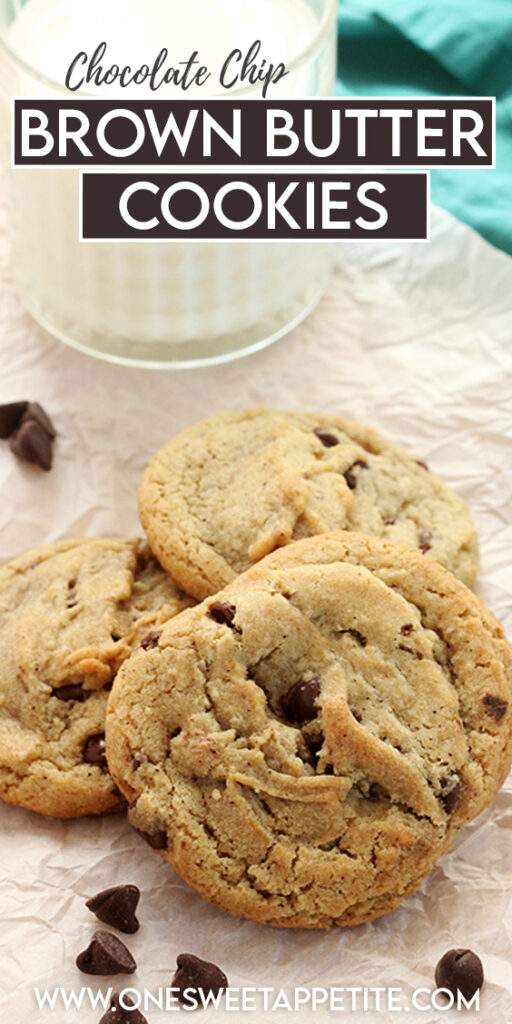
[[330, 7]]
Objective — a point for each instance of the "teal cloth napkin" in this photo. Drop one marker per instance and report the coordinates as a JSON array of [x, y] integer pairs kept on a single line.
[[440, 48]]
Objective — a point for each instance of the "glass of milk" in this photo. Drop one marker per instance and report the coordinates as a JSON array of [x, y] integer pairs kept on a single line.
[[156, 304]]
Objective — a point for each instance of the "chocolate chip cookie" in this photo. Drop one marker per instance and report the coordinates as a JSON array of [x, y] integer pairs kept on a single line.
[[304, 746], [70, 614], [228, 491]]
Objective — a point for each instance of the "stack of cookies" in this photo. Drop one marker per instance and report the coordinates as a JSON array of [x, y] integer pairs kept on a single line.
[[304, 743]]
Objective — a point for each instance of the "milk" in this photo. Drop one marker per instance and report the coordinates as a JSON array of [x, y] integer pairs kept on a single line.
[[175, 302], [49, 33]]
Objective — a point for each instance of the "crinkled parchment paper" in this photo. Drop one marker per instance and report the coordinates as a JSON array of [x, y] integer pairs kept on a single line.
[[416, 339]]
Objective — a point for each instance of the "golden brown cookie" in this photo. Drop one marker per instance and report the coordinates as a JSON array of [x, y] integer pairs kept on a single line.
[[305, 745], [70, 614], [228, 491]]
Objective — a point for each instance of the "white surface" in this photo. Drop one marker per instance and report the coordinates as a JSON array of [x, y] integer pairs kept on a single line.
[[414, 339]]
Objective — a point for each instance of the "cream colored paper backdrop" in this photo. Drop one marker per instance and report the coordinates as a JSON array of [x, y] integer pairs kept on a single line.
[[416, 340]]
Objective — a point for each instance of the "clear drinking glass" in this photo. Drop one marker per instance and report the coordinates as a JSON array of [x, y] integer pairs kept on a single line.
[[175, 304]]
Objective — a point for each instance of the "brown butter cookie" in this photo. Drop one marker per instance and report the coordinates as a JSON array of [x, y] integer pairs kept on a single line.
[[70, 614], [306, 745], [228, 491]]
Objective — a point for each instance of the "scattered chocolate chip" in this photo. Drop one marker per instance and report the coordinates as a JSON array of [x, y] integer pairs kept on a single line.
[[138, 760], [495, 706], [222, 612], [328, 440], [10, 417], [117, 907], [157, 840], [71, 692], [94, 750], [350, 477], [36, 413], [127, 1014], [425, 541], [299, 703], [450, 792], [106, 954], [406, 629], [419, 462], [30, 430], [460, 970], [197, 975], [31, 443], [151, 639]]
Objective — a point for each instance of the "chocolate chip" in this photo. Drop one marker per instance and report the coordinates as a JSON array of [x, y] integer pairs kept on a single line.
[[222, 612], [460, 970], [377, 792], [198, 975], [94, 750], [151, 639], [117, 907], [495, 706], [127, 1014], [71, 601], [406, 629], [299, 703], [34, 433], [31, 443], [450, 792], [328, 440], [425, 541], [350, 477], [156, 840], [106, 954], [138, 760], [315, 742], [10, 417], [36, 413], [71, 692]]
